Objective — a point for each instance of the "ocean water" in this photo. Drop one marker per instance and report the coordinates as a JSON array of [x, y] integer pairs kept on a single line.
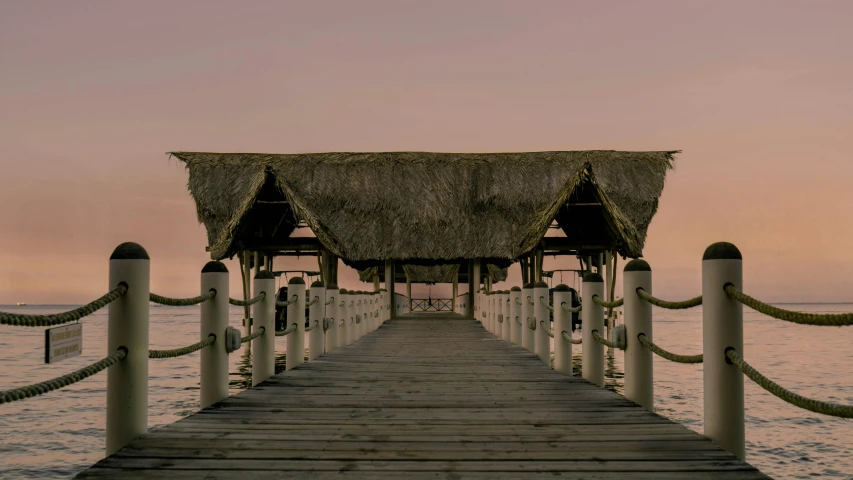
[[61, 433]]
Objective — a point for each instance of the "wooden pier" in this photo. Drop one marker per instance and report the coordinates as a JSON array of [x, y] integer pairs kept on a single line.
[[426, 397]]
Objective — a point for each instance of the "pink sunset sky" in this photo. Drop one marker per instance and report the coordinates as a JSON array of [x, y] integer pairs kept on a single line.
[[757, 94]]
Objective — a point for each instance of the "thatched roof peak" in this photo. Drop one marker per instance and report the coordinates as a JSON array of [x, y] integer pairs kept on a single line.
[[421, 205]]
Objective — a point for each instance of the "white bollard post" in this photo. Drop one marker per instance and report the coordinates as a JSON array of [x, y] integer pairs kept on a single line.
[[361, 311], [351, 299], [543, 321], [263, 347], [333, 298], [214, 319], [562, 323], [527, 335], [506, 311], [487, 303], [316, 315], [592, 364], [295, 314], [127, 381], [722, 328], [515, 315], [343, 318], [639, 372]]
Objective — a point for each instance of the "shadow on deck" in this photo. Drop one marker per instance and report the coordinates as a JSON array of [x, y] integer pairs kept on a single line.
[[424, 396]]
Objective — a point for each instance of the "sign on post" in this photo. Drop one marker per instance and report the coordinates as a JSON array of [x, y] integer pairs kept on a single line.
[[63, 342]]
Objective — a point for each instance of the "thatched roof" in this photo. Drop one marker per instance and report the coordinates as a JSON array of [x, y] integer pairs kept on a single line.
[[431, 274], [425, 206]]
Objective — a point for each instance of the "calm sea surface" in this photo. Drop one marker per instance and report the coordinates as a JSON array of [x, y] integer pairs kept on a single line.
[[61, 433]]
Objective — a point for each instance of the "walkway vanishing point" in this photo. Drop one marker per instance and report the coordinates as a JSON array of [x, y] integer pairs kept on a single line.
[[433, 397]]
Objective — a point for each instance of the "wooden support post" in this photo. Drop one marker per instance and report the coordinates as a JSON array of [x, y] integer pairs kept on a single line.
[[333, 298], [455, 292], [214, 320], [247, 291], [593, 320], [475, 274], [409, 291], [515, 315], [296, 314], [263, 346], [376, 284], [389, 285], [562, 323], [543, 322], [639, 375], [316, 314], [127, 318], [722, 329]]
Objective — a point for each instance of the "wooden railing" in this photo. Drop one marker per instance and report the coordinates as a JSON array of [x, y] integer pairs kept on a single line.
[[432, 304]]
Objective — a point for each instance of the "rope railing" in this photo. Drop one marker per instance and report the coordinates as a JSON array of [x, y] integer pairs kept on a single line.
[[549, 307], [518, 319], [570, 309], [672, 357], [289, 302], [518, 301], [330, 300], [178, 352], [607, 343], [249, 338], [312, 302], [22, 320], [530, 301], [247, 303], [531, 325], [693, 302], [568, 337], [546, 329], [810, 404], [41, 388], [500, 318], [823, 320], [312, 327], [181, 302], [613, 304], [287, 331]]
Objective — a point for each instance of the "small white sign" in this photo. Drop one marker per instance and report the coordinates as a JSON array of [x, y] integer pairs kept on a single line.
[[63, 342]]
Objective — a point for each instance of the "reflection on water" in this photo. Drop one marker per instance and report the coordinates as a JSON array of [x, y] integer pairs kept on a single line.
[[61, 433]]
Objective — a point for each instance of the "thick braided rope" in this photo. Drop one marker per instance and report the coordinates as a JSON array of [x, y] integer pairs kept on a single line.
[[613, 304], [570, 309], [246, 303], [500, 318], [531, 325], [547, 330], [517, 319], [312, 327], [181, 302], [823, 320], [567, 337], [19, 320], [178, 352], [607, 343], [693, 302], [672, 357], [518, 301], [291, 301], [312, 302], [40, 388], [530, 301], [249, 338], [812, 405], [292, 328], [330, 300], [549, 307]]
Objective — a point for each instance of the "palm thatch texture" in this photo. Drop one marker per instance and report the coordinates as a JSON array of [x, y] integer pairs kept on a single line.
[[429, 206]]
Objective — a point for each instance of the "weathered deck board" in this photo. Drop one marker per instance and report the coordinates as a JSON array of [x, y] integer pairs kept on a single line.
[[424, 399]]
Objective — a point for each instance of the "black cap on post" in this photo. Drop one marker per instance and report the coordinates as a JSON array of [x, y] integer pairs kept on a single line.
[[637, 265], [264, 275], [722, 251], [592, 277], [317, 283], [540, 284], [296, 281], [129, 251], [562, 288], [332, 286], [214, 267], [515, 289], [528, 285]]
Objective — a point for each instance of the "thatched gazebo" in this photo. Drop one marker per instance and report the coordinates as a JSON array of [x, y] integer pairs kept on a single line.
[[427, 209]]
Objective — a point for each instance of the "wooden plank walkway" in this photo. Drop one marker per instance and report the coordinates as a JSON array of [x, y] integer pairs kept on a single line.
[[428, 398]]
